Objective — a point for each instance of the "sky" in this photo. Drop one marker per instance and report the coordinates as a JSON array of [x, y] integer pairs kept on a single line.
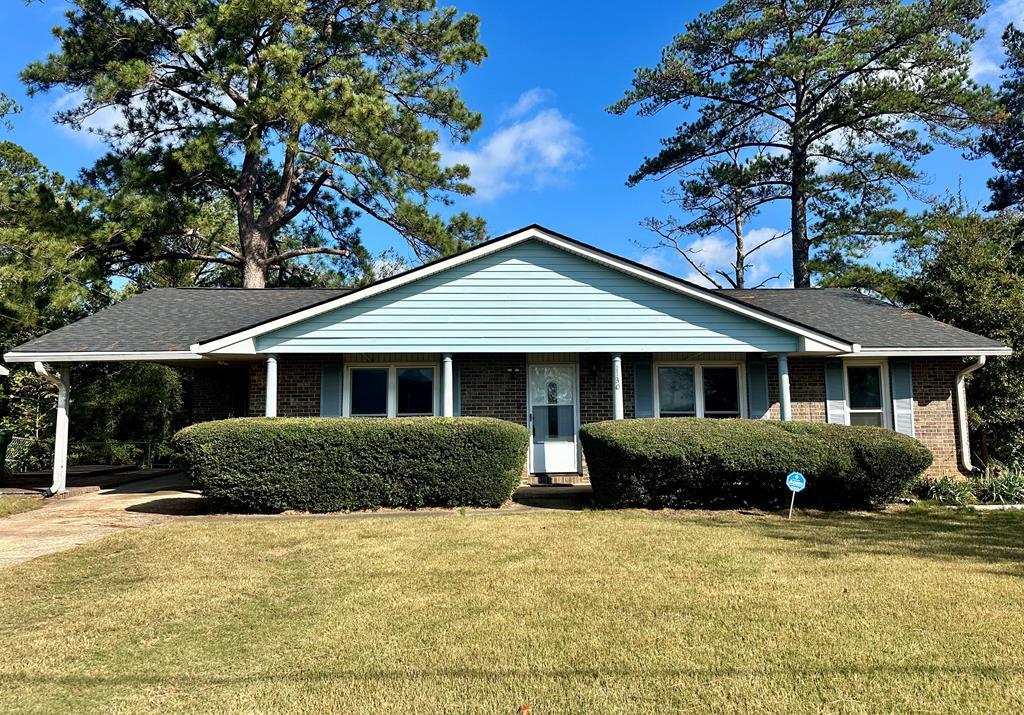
[[548, 152]]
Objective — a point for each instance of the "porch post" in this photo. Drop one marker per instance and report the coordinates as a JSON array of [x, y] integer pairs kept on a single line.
[[617, 410], [270, 409], [60, 438], [785, 406], [448, 386]]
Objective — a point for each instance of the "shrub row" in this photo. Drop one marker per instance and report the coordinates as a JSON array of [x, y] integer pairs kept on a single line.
[[323, 465], [689, 462]]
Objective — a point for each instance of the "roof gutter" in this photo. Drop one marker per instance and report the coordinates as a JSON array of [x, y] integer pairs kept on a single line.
[[961, 410]]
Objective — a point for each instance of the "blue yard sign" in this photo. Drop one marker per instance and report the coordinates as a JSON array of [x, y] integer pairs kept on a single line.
[[796, 483]]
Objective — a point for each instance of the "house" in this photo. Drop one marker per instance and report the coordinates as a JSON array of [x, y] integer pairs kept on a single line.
[[541, 329]]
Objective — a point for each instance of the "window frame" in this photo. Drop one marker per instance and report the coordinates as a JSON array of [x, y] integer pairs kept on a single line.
[[392, 386], [883, 378], [698, 377]]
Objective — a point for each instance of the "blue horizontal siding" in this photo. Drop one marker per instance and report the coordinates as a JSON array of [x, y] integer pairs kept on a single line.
[[530, 297]]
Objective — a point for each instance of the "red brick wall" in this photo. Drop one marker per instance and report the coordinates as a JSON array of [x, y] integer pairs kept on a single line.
[[934, 410], [935, 421], [493, 385], [217, 393], [298, 385]]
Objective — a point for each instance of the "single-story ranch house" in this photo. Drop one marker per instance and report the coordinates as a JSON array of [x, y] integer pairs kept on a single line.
[[541, 329]]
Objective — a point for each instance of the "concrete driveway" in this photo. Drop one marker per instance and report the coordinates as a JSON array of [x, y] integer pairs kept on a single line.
[[66, 523]]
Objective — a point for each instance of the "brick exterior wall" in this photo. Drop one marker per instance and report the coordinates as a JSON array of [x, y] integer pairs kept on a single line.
[[216, 393], [935, 422], [806, 388], [298, 385], [494, 385], [934, 407]]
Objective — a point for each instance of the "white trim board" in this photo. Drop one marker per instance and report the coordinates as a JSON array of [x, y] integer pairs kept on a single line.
[[819, 341], [928, 352], [154, 356]]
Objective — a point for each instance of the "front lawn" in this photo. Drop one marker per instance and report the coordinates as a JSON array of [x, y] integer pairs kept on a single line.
[[592, 612], [14, 504]]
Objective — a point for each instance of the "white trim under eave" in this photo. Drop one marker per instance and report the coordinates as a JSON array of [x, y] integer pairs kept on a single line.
[[929, 352], [676, 285], [102, 356]]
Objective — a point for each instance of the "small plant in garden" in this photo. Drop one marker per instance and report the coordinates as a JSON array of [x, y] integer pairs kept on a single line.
[[946, 490], [1000, 485]]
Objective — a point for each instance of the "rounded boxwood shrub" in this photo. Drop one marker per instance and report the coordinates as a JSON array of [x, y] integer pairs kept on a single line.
[[689, 462], [322, 465]]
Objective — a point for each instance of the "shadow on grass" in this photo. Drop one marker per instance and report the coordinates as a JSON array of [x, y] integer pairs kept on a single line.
[[682, 675], [922, 532]]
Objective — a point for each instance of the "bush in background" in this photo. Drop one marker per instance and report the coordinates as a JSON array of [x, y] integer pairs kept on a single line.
[[690, 462], [323, 465]]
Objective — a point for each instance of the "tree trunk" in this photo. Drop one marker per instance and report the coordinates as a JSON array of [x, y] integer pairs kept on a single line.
[[255, 248], [798, 220]]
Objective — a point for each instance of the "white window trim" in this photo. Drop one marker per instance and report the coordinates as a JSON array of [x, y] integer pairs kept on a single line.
[[883, 365], [392, 399], [698, 377]]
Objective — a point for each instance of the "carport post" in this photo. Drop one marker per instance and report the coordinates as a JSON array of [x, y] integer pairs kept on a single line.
[[270, 409], [60, 438], [785, 407]]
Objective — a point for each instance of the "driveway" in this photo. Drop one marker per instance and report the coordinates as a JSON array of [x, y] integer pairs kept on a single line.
[[66, 523]]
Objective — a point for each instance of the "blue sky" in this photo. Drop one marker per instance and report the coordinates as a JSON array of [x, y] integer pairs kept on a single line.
[[548, 152]]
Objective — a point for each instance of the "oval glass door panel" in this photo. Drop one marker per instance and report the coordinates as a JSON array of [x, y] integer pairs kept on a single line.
[[553, 418]]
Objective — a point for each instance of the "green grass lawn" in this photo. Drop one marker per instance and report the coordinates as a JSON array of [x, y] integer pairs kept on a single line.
[[592, 612], [15, 504]]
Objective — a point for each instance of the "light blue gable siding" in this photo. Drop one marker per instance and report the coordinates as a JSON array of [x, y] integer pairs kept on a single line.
[[530, 297]]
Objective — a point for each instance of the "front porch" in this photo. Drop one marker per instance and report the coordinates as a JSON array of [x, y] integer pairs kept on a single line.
[[552, 393]]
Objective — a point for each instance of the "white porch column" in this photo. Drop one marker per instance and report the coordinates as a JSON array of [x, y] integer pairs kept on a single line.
[[60, 438], [617, 409], [448, 385], [785, 406], [270, 409]]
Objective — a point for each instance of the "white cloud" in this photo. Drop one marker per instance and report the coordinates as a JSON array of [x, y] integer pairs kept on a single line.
[[527, 101], [532, 152], [987, 55]]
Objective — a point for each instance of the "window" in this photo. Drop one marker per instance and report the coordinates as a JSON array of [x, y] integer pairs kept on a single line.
[[721, 391], [390, 391], [415, 391], [719, 395], [676, 394], [866, 395], [369, 392]]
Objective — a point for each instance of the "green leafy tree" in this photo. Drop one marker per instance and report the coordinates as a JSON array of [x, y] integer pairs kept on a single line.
[[836, 94], [1005, 142], [307, 112], [968, 270]]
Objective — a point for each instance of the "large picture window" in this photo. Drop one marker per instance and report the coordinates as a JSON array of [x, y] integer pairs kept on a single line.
[[391, 391], [718, 396]]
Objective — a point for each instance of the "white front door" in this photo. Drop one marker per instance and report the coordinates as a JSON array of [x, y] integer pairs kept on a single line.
[[552, 414]]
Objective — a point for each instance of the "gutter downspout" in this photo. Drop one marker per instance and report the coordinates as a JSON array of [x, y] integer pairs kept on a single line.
[[62, 380], [961, 410]]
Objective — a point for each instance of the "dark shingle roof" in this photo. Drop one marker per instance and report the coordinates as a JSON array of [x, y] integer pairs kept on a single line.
[[167, 319], [172, 319], [856, 318]]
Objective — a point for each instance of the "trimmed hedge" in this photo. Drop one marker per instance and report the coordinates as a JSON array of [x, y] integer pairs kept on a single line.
[[323, 465], [689, 462]]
